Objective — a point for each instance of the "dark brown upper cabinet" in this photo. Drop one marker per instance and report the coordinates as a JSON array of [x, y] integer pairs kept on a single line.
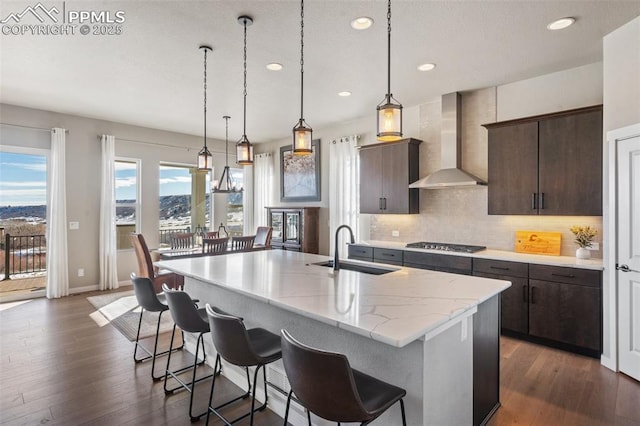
[[547, 165], [386, 170]]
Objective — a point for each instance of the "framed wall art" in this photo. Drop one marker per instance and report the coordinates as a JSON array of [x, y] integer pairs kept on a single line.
[[300, 174]]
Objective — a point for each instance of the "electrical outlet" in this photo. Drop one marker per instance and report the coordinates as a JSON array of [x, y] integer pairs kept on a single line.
[[594, 246], [395, 233], [74, 225], [81, 272]]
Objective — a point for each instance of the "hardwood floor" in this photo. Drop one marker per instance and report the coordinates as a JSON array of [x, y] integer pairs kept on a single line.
[[58, 367]]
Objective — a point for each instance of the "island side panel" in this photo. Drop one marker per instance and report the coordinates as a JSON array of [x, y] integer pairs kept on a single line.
[[399, 366]]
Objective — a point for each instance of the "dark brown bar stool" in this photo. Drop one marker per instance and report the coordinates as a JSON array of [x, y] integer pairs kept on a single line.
[[151, 302], [192, 320], [244, 348], [326, 385]]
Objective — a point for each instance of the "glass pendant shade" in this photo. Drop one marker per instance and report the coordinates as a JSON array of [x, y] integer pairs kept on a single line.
[[302, 136], [205, 159], [244, 152], [389, 120]]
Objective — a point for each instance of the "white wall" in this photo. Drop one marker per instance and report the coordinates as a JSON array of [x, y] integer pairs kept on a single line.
[[621, 91], [83, 177]]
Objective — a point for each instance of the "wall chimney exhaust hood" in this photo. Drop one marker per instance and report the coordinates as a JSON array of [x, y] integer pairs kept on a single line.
[[450, 175]]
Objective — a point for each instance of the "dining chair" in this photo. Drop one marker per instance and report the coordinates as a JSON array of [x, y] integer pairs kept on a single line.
[[147, 270], [210, 234], [244, 243], [182, 240], [325, 384], [213, 246], [263, 237]]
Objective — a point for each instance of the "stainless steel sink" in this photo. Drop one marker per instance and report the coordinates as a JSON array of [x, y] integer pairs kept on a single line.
[[358, 267]]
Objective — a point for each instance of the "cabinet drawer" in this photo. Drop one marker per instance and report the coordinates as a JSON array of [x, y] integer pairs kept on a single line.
[[500, 267], [561, 274], [360, 252], [436, 261], [393, 257]]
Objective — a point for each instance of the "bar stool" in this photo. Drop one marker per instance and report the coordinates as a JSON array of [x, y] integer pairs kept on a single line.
[[192, 320], [326, 385], [151, 302], [244, 348]]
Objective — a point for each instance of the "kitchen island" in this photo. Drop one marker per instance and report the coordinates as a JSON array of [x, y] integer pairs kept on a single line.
[[413, 328]]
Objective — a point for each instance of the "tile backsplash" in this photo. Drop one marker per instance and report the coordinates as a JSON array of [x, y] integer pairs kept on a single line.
[[460, 215]]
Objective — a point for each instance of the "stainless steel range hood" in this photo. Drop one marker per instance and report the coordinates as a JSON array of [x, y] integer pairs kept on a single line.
[[450, 175]]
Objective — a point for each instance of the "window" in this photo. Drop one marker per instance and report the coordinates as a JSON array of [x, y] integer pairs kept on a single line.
[[127, 200], [184, 201], [235, 208]]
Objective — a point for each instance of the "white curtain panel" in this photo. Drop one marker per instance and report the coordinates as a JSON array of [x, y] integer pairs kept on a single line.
[[247, 199], [263, 188], [108, 248], [344, 190], [57, 265]]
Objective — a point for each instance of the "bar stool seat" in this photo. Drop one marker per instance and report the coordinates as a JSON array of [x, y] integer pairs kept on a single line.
[[244, 348], [327, 386]]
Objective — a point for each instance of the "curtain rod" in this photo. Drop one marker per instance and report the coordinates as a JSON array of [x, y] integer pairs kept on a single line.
[[31, 127], [161, 144]]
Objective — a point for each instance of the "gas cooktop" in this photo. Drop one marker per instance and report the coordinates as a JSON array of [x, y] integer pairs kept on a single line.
[[460, 248]]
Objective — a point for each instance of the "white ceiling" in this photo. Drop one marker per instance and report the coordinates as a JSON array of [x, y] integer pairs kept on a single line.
[[151, 75]]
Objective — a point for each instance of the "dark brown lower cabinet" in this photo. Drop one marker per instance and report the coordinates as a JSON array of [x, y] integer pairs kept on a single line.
[[514, 303], [486, 360], [566, 313]]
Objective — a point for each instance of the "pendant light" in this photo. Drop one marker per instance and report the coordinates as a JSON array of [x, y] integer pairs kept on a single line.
[[225, 184], [302, 133], [389, 110], [244, 149], [205, 158]]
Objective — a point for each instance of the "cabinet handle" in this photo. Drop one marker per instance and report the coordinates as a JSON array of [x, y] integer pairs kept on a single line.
[[384, 203], [533, 200], [542, 201], [380, 204], [524, 293], [499, 267], [388, 254], [533, 296], [563, 275]]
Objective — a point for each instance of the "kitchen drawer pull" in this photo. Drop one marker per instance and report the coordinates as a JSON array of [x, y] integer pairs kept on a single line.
[[562, 275], [542, 201], [533, 201], [524, 293], [499, 267], [380, 204], [388, 254]]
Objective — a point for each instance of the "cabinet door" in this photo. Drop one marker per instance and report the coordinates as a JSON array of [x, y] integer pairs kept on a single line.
[[275, 222], [370, 180], [514, 305], [513, 169], [571, 164], [565, 313], [292, 228], [395, 181]]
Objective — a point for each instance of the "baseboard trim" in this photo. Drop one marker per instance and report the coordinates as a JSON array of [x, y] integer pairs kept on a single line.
[[85, 289]]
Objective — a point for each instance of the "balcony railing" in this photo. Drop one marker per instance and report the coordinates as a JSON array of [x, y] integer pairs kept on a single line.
[[23, 254]]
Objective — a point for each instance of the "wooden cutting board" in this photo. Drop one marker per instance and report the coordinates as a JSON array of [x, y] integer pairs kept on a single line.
[[535, 242]]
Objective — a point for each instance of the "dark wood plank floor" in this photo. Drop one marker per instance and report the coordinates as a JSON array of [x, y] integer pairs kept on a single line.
[[58, 367]]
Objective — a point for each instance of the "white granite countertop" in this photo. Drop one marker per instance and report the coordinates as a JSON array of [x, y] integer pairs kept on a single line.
[[595, 264], [395, 308]]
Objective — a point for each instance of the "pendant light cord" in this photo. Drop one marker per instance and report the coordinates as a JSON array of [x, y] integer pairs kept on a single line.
[[244, 126], [389, 48], [301, 59], [205, 98], [226, 141]]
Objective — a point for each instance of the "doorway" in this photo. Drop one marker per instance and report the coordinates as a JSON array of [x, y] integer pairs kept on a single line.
[[627, 247], [23, 215]]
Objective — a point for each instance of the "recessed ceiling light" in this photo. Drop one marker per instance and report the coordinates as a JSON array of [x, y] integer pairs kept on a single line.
[[344, 94], [274, 66], [561, 23], [426, 67], [361, 23]]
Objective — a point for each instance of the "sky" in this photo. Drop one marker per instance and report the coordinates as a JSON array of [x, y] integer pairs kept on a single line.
[[23, 180]]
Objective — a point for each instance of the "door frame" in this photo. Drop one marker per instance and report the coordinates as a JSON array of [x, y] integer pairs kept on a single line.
[[46, 153], [610, 214]]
